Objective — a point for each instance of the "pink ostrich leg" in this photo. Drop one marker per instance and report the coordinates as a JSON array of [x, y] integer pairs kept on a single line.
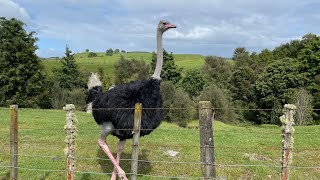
[[120, 148], [106, 149]]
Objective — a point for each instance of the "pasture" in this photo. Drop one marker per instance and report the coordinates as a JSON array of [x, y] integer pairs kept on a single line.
[[241, 152]]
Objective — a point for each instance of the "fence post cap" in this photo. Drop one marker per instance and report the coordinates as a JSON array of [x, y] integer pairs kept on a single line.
[[14, 107], [290, 106], [69, 107], [204, 104]]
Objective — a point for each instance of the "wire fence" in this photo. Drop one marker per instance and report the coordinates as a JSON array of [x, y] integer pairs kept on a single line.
[[235, 155]]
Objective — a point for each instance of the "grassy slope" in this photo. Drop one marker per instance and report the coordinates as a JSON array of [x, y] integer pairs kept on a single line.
[[41, 133], [185, 61]]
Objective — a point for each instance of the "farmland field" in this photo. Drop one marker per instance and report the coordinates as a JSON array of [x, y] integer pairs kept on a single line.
[[241, 152]]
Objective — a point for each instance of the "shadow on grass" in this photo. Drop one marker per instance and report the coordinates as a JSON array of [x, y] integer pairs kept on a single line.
[[6, 176], [45, 176]]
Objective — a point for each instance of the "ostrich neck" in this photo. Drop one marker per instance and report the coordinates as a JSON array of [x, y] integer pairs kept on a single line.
[[157, 71]]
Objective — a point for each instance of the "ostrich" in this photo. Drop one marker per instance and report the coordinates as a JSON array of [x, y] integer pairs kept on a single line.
[[113, 110]]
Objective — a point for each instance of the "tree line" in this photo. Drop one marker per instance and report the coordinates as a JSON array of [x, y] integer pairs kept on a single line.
[[238, 88]]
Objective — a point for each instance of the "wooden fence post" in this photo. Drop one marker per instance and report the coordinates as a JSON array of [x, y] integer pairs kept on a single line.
[[206, 140], [287, 129], [71, 130], [14, 141], [136, 135]]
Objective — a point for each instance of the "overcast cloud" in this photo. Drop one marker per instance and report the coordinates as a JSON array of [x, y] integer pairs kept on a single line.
[[208, 27]]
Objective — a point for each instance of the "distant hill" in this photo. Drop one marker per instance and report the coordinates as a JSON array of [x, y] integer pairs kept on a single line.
[[185, 61]]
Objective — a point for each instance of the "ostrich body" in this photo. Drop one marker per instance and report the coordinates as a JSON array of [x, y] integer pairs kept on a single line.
[[113, 110]]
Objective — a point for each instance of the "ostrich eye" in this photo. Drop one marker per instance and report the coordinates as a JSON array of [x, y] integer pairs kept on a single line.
[[164, 23]]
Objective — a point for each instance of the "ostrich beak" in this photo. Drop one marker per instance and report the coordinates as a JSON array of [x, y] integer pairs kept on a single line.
[[170, 26]]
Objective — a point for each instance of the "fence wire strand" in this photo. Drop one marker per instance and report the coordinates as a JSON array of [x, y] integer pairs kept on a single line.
[[82, 129], [171, 108]]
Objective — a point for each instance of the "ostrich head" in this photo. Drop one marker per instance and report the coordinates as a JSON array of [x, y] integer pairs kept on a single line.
[[162, 27], [165, 25]]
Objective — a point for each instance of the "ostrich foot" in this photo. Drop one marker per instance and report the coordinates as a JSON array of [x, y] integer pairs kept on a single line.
[[106, 149], [121, 174], [119, 148]]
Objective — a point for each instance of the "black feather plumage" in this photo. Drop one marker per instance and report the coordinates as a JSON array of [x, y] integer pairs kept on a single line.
[[108, 106]]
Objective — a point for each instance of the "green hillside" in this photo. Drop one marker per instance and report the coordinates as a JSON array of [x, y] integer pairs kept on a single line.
[[185, 61]]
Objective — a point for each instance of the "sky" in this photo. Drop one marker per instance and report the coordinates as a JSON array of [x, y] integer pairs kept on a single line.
[[207, 27]]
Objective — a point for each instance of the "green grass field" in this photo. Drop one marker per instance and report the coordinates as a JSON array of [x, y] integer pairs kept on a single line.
[[185, 61], [254, 152]]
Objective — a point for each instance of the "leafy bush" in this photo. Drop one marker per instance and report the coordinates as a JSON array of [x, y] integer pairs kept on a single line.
[[109, 52], [193, 83], [177, 103], [92, 54], [77, 97], [219, 99], [61, 97], [129, 70]]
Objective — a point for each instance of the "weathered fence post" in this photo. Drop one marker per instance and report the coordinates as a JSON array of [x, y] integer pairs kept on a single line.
[[136, 135], [287, 122], [14, 141], [206, 140], [70, 140]]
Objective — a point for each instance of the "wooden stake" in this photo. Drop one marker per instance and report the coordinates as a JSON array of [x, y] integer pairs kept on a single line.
[[14, 142], [136, 136], [206, 140]]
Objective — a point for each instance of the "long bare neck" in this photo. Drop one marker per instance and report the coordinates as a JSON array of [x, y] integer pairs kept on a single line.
[[157, 71]]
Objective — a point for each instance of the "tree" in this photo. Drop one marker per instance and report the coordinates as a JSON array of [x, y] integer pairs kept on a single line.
[[109, 52], [170, 71], [87, 50], [276, 86], [129, 70], [193, 83], [242, 84], [116, 51], [220, 100], [217, 70], [303, 102], [242, 57], [69, 76], [177, 104], [92, 54], [123, 51], [22, 77]]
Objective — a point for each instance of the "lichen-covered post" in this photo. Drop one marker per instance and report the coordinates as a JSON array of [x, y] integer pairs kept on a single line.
[[71, 131], [207, 159], [287, 130]]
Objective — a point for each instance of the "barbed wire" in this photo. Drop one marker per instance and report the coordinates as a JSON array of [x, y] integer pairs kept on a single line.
[[197, 129], [217, 165], [162, 108], [157, 145]]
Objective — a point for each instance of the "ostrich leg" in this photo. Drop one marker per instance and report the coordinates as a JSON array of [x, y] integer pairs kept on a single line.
[[106, 129], [120, 148], [106, 149]]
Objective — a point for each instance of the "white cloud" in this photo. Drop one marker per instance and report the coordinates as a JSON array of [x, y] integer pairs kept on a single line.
[[197, 33], [204, 26], [11, 9]]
